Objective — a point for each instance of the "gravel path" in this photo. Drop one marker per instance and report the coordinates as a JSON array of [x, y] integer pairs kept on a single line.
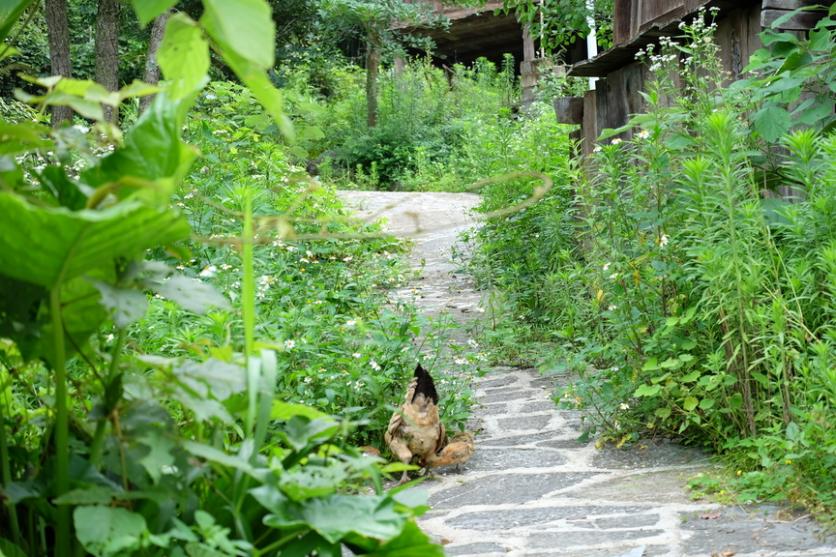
[[532, 489]]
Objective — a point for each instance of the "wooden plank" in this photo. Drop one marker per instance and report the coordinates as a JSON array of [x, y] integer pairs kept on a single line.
[[788, 4], [569, 110], [622, 12], [590, 121], [798, 22]]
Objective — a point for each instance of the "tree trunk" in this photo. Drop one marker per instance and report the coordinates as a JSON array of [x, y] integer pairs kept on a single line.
[[372, 69], [107, 50], [152, 69], [58, 31]]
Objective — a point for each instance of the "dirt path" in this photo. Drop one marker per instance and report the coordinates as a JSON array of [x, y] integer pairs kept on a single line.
[[532, 489]]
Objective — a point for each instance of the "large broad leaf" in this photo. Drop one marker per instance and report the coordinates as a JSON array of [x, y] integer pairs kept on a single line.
[[153, 159], [147, 10], [105, 531], [23, 137], [244, 28], [333, 517], [183, 57], [50, 245], [412, 542], [772, 122], [263, 89], [10, 11]]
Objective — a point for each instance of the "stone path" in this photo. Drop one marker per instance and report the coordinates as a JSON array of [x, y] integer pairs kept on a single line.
[[532, 489]]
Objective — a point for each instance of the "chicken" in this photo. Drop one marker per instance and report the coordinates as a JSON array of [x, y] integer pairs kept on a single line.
[[415, 431], [457, 451]]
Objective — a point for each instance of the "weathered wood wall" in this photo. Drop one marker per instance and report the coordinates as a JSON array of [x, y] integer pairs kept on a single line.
[[639, 22]]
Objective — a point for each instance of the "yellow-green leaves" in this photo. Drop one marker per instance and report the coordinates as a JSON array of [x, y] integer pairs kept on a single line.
[[244, 28], [147, 10], [184, 57], [50, 245]]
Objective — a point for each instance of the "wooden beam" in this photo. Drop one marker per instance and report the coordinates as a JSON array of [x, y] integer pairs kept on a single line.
[[569, 110]]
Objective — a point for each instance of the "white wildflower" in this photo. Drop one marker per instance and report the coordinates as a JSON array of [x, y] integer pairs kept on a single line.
[[459, 361], [109, 338], [616, 141], [612, 307], [663, 240], [374, 365], [613, 276], [289, 344], [168, 469], [350, 323], [347, 259], [644, 134], [624, 406], [226, 266], [209, 271], [357, 355], [472, 343]]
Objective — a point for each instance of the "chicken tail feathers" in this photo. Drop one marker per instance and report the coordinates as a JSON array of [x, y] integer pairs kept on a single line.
[[424, 385]]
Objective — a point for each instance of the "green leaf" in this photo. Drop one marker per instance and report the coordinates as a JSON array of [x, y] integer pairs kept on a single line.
[[184, 57], [215, 377], [47, 246], [690, 377], [707, 404], [651, 364], [771, 122], [147, 10], [312, 481], [663, 413], [159, 456], [93, 495], [244, 28], [190, 293], [671, 363], [152, 160], [262, 88], [23, 137], [8, 549], [284, 411], [299, 432], [647, 390], [412, 542], [10, 12], [334, 517], [105, 531], [690, 403], [127, 305], [68, 194]]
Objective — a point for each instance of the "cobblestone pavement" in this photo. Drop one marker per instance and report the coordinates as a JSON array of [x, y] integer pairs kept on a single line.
[[532, 489]]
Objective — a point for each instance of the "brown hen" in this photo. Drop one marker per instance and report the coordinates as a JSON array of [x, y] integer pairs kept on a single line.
[[415, 431]]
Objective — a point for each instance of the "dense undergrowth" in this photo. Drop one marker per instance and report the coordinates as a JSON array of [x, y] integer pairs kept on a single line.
[[687, 276], [195, 335], [437, 130]]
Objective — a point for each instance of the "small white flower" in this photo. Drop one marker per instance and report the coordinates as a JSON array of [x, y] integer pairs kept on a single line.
[[168, 469], [613, 276], [374, 365], [612, 307], [472, 343], [109, 338], [225, 266], [317, 302], [624, 406], [350, 323], [606, 266], [347, 258], [208, 271], [663, 240], [289, 344], [597, 149], [459, 361], [616, 141], [309, 253], [357, 355], [644, 134]]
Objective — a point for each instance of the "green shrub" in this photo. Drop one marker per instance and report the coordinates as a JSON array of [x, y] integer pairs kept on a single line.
[[690, 297]]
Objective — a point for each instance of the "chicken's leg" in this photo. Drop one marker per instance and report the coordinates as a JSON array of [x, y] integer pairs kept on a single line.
[[402, 452]]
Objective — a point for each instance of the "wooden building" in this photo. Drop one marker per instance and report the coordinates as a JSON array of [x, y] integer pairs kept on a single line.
[[638, 23]]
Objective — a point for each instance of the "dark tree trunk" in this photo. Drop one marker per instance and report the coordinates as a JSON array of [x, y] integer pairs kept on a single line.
[[152, 69], [58, 32], [107, 50], [372, 69]]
